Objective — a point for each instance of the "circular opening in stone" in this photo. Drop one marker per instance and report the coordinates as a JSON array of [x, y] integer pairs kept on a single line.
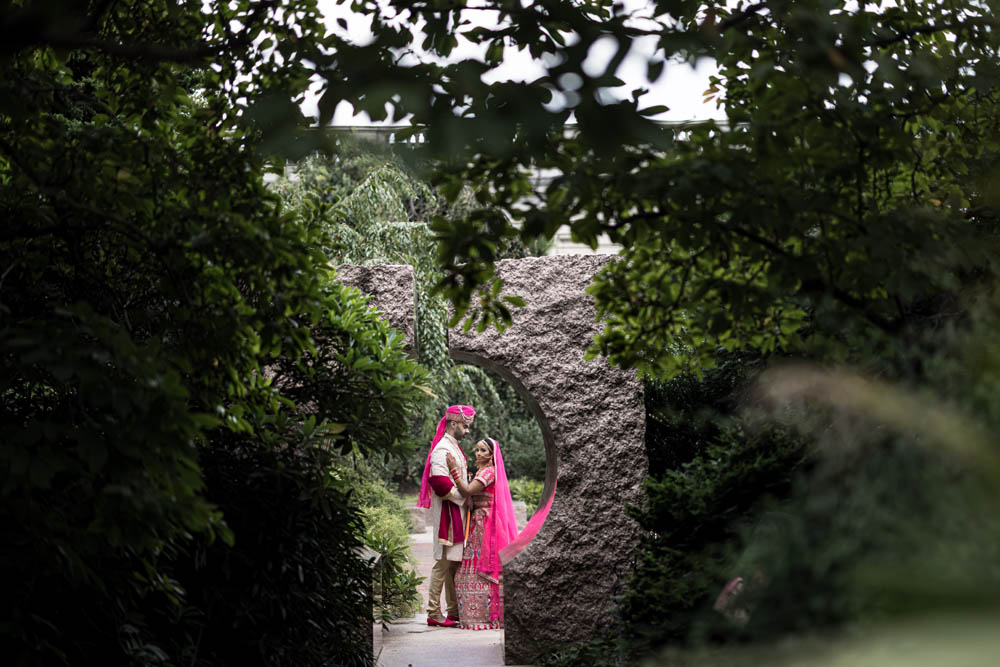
[[517, 422]]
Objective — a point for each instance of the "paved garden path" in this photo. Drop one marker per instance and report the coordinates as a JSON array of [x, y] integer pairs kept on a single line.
[[409, 642]]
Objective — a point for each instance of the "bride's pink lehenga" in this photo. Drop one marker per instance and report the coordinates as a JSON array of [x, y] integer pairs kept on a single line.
[[480, 594], [491, 527]]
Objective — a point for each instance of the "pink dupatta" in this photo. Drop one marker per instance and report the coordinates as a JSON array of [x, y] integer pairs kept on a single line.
[[530, 530], [501, 524]]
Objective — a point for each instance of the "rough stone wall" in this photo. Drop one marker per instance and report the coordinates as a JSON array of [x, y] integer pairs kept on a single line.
[[393, 291], [560, 589]]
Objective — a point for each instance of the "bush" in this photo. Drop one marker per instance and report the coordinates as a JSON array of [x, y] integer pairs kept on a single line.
[[293, 589], [388, 525], [710, 477], [880, 524], [834, 518], [371, 492], [527, 490], [176, 370], [395, 579], [686, 415]]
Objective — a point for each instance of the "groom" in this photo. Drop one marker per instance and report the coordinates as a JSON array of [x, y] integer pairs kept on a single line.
[[438, 492]]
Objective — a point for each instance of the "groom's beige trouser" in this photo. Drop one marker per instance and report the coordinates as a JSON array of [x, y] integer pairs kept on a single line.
[[442, 575]]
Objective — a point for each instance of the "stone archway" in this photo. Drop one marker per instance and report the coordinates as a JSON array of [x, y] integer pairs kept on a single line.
[[561, 588]]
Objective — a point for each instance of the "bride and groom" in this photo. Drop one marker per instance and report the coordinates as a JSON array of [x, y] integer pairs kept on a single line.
[[473, 521]]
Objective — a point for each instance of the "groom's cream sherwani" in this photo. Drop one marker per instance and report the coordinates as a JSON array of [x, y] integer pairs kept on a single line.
[[439, 466], [446, 558]]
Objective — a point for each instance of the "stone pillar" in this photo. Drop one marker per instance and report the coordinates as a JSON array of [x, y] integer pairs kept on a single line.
[[393, 291], [560, 589]]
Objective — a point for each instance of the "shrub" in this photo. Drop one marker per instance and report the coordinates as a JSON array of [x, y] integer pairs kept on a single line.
[[834, 517], [710, 476], [370, 491], [292, 589], [527, 490], [175, 372], [387, 524], [395, 579]]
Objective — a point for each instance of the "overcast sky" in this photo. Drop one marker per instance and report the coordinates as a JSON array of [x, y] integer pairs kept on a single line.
[[679, 88]]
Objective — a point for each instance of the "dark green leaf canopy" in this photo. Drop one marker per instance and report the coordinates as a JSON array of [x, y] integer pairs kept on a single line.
[[844, 200], [173, 344]]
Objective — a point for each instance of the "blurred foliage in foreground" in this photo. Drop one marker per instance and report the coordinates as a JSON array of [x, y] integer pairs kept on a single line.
[[848, 203]]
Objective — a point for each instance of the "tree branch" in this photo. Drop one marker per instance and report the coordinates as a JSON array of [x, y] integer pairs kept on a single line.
[[917, 30], [740, 17], [760, 240], [30, 27], [140, 51], [100, 11], [820, 286]]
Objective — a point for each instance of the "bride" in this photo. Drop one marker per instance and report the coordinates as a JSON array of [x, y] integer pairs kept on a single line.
[[491, 526]]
